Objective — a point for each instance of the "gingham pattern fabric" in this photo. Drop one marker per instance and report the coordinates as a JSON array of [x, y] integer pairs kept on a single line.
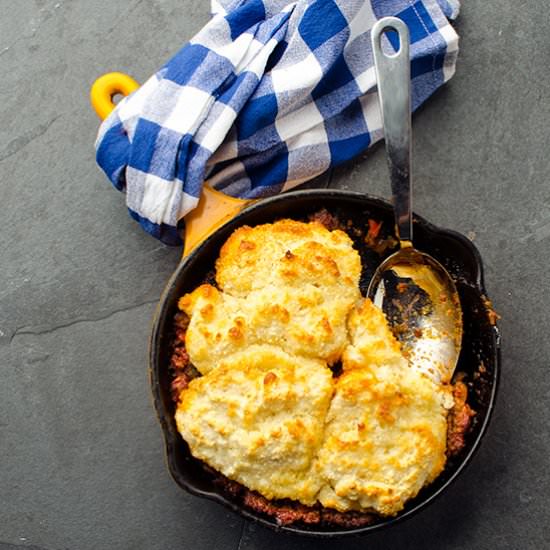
[[266, 96]]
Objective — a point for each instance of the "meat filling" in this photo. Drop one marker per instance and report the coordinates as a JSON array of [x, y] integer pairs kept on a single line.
[[459, 419]]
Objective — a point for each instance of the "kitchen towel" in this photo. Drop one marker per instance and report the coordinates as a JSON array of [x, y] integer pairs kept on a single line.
[[267, 95]]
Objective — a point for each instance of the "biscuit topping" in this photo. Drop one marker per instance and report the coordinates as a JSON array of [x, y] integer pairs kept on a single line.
[[267, 411]]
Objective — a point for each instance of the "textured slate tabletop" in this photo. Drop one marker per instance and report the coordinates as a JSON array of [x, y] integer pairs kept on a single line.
[[81, 459]]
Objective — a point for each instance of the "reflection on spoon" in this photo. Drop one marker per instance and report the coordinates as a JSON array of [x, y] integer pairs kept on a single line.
[[423, 309]]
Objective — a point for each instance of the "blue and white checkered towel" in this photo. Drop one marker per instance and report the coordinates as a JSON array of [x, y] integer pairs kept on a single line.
[[267, 95]]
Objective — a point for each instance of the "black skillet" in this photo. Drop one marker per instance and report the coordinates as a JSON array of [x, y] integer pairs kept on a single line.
[[479, 359]]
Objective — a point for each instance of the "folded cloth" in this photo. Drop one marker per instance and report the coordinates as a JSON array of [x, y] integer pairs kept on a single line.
[[266, 96]]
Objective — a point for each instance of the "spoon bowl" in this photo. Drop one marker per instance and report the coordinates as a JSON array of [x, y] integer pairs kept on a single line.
[[414, 290], [422, 305]]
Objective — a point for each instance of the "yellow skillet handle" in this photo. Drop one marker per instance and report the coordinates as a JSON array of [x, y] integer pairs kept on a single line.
[[106, 87], [214, 208]]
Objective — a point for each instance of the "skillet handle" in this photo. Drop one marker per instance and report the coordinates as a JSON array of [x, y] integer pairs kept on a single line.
[[106, 87], [214, 208]]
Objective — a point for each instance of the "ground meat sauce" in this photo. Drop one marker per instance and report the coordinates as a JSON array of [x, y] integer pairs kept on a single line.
[[182, 370], [325, 218], [459, 418], [287, 512]]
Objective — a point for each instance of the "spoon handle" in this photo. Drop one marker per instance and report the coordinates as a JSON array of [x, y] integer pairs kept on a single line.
[[393, 77]]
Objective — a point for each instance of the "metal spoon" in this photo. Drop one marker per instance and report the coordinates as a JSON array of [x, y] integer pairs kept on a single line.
[[413, 289]]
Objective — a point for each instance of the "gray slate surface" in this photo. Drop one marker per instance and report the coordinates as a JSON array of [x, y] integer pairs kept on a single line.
[[81, 460]]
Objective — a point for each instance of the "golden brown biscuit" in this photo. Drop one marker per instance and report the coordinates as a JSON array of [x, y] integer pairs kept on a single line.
[[386, 429], [287, 284], [308, 322], [258, 419], [385, 438], [290, 253]]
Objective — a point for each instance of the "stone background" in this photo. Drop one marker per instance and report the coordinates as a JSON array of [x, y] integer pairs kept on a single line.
[[81, 458]]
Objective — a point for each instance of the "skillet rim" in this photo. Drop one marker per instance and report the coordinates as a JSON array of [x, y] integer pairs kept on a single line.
[[171, 439]]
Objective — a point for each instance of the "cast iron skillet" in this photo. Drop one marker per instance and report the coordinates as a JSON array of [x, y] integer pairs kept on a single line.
[[479, 359]]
